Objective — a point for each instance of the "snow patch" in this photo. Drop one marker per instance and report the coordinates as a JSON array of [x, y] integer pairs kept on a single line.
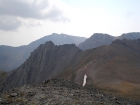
[[84, 81]]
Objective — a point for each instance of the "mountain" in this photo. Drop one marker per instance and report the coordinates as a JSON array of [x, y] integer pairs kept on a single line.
[[99, 39], [96, 40], [132, 35], [13, 57], [115, 66], [47, 61]]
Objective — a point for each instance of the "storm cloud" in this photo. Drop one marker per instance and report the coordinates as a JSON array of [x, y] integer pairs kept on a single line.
[[35, 9]]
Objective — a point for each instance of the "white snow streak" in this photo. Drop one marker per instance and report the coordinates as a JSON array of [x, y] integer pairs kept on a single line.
[[85, 78]]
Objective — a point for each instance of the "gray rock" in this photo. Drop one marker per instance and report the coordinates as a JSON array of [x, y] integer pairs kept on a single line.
[[13, 94]]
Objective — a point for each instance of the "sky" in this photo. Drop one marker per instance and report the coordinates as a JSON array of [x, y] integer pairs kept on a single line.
[[23, 21]]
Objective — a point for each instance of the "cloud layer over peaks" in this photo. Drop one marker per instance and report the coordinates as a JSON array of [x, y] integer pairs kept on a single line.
[[11, 10]]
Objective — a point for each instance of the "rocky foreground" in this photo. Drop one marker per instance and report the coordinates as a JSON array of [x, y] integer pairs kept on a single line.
[[59, 92]]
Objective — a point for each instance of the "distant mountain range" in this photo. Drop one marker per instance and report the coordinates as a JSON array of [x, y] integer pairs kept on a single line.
[[99, 39], [115, 66], [13, 57]]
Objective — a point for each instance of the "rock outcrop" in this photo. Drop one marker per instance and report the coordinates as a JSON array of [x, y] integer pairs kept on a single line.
[[60, 92]]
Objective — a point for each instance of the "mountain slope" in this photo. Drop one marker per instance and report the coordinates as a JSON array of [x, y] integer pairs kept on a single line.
[[116, 66], [99, 39], [13, 57], [47, 61]]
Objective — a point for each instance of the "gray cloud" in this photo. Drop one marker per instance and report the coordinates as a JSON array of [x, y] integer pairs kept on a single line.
[[25, 10], [22, 9], [57, 15], [9, 23], [29, 10]]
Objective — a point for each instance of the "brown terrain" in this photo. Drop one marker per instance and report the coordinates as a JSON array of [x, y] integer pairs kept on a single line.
[[115, 67]]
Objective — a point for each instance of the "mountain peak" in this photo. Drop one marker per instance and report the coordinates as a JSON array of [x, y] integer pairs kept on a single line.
[[49, 43], [131, 35], [54, 34], [100, 34], [96, 40]]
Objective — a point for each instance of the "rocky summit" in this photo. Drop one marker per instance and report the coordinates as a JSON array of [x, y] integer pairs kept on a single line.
[[59, 92]]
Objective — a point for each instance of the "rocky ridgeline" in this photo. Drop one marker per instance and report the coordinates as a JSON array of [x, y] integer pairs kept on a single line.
[[58, 92]]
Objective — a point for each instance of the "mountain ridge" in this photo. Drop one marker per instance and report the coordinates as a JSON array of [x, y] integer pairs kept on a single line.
[[13, 57], [47, 61], [115, 66], [99, 39]]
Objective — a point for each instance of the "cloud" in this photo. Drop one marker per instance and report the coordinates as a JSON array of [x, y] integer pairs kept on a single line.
[[25, 9], [56, 15], [31, 23], [9, 23]]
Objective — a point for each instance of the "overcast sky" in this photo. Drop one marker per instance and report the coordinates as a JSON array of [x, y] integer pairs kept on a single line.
[[23, 21]]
